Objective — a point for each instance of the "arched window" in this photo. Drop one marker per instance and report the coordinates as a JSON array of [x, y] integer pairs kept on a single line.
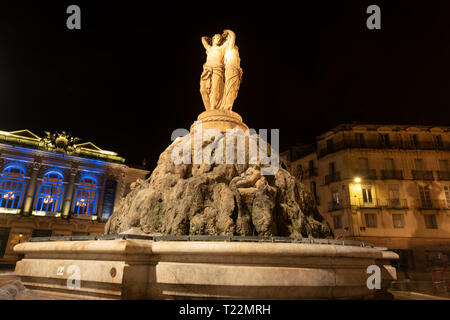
[[85, 197], [50, 192], [12, 183]]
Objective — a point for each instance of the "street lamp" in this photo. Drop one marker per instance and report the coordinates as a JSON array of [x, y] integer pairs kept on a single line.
[[357, 179]]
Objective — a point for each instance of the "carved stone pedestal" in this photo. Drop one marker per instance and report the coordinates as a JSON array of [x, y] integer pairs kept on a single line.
[[221, 120], [147, 269]]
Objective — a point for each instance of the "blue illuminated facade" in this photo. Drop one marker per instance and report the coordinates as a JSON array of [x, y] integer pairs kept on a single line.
[[52, 186], [55, 177]]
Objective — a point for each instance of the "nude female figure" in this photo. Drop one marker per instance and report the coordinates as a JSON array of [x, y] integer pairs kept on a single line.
[[212, 80]]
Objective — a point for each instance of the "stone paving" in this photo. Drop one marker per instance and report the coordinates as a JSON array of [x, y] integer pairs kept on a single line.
[[10, 285], [410, 295], [12, 289]]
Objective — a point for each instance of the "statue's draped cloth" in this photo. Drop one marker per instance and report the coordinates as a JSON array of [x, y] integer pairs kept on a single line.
[[216, 73]]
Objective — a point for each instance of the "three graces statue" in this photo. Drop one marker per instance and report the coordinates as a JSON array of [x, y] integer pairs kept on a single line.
[[222, 74]]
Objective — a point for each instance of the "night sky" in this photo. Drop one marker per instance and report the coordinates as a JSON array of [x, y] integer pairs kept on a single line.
[[130, 76]]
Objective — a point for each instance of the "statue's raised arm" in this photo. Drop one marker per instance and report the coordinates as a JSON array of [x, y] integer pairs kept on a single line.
[[206, 42], [230, 36]]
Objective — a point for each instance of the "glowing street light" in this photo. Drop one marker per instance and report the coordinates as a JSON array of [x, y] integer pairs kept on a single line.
[[357, 179]]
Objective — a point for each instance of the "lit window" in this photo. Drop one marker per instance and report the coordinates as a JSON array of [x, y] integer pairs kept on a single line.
[[50, 192], [85, 197], [12, 183], [367, 194]]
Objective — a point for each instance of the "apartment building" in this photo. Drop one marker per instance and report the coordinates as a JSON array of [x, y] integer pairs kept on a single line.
[[384, 184]]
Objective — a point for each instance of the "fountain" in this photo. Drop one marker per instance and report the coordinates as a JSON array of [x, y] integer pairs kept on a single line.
[[216, 219]]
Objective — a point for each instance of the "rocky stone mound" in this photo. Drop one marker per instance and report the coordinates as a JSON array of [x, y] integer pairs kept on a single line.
[[217, 199]]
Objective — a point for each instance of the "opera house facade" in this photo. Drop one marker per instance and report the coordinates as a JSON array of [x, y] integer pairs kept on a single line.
[[56, 186]]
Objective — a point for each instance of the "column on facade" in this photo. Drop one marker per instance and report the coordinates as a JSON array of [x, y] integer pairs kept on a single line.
[[27, 207], [69, 193]]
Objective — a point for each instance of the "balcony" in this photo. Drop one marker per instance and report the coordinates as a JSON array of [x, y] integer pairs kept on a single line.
[[368, 174], [307, 173], [394, 203], [311, 172], [353, 143], [433, 205], [334, 177], [425, 145], [392, 174], [333, 206], [379, 144], [443, 175], [360, 204], [422, 175], [373, 144]]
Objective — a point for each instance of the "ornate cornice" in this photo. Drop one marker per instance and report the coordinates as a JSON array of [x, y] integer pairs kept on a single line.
[[60, 141]]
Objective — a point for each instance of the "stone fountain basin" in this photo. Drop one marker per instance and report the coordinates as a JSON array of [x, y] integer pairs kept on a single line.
[[133, 267]]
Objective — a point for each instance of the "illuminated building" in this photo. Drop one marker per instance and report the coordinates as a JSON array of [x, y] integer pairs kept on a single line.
[[56, 186], [386, 185]]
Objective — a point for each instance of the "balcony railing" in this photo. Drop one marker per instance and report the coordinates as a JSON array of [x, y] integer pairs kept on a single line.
[[379, 144], [426, 145], [370, 174], [333, 206], [306, 173], [360, 204], [443, 175], [433, 205], [380, 203], [422, 175], [311, 172], [394, 203], [334, 177], [392, 174]]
